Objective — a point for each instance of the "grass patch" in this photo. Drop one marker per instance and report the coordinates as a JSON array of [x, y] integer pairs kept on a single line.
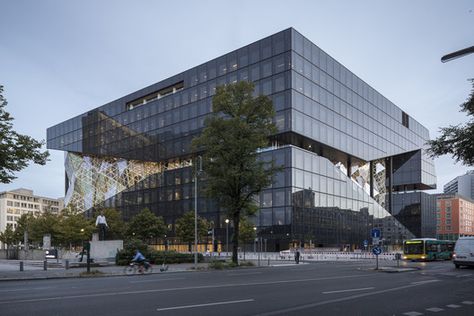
[[93, 273], [220, 265]]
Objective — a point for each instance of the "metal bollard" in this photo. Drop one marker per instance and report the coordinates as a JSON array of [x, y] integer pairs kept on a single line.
[[66, 264], [45, 265], [21, 266]]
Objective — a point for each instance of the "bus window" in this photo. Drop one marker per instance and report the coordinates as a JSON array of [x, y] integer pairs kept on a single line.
[[413, 248]]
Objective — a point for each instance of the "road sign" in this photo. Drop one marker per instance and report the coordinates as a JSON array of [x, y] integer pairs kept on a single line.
[[376, 251], [375, 241], [375, 233]]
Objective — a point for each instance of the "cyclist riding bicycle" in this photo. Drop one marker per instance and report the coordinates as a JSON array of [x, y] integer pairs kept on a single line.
[[140, 259]]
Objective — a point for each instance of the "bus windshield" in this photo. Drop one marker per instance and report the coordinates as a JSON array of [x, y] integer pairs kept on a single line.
[[413, 248]]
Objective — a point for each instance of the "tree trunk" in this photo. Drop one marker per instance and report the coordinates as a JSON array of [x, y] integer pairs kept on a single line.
[[235, 238]]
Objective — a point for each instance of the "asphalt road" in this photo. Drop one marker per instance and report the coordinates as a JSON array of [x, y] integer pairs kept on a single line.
[[323, 288]]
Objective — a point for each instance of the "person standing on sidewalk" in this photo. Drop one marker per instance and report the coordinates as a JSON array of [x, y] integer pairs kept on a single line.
[[101, 223], [297, 256]]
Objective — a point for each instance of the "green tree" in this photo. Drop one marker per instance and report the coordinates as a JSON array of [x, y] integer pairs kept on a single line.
[[117, 226], [457, 140], [239, 126], [16, 150], [185, 228], [247, 232], [8, 236], [73, 228], [46, 223], [23, 225], [146, 226]]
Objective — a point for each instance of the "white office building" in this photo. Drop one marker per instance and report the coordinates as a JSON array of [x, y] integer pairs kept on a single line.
[[21, 201], [462, 185]]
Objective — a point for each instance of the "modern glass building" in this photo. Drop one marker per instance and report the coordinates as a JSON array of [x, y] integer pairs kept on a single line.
[[345, 148]]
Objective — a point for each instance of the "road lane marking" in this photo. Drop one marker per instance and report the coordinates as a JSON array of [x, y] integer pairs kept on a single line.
[[349, 290], [337, 300], [435, 309], [157, 280], [467, 302], [239, 274], [453, 306], [23, 289], [202, 305], [412, 313], [424, 282], [56, 298]]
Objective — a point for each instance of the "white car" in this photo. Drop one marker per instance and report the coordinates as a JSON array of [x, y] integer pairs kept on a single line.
[[464, 252]]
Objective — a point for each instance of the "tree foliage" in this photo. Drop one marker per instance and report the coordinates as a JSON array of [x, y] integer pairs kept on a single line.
[[73, 228], [68, 229], [247, 232], [16, 150], [46, 223], [146, 226], [457, 141], [185, 227], [8, 236], [239, 127]]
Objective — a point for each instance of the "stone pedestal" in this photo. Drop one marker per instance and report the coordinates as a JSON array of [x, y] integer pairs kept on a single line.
[[105, 250]]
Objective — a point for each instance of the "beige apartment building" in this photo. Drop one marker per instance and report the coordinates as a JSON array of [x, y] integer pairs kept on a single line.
[[21, 201]]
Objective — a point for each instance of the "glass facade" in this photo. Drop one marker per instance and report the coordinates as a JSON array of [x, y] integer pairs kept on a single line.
[[346, 149]]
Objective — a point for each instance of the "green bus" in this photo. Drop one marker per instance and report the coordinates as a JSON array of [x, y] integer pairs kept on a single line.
[[428, 249]]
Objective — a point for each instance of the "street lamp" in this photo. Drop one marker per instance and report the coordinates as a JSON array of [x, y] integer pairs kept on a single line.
[[196, 172], [227, 236], [457, 54], [255, 241]]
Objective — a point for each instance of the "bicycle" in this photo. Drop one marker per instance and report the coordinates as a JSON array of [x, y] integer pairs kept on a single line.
[[141, 268]]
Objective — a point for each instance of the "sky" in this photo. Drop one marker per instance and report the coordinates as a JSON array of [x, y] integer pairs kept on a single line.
[[60, 58]]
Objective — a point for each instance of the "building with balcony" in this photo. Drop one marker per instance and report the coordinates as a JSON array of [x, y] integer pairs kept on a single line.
[[346, 149]]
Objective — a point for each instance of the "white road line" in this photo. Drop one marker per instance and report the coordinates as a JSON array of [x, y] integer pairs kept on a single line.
[[337, 300], [467, 302], [156, 280], [412, 313], [424, 282], [202, 305], [17, 290], [453, 306], [56, 298], [435, 309], [349, 290], [239, 274]]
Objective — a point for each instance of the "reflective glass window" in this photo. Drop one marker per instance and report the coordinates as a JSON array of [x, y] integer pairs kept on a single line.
[[243, 57], [279, 83], [279, 216], [266, 69], [254, 52]]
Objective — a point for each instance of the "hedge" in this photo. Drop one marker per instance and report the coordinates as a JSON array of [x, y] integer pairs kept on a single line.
[[124, 257]]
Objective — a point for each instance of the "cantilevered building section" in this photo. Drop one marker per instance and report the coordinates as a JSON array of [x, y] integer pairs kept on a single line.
[[346, 149]]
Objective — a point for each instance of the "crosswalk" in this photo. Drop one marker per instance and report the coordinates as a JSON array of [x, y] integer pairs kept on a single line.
[[436, 309]]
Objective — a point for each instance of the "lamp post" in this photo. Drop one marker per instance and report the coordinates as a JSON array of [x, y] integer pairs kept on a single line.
[[227, 236], [196, 172], [255, 241]]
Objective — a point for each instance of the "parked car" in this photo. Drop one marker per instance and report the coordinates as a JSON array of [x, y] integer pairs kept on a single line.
[[464, 252]]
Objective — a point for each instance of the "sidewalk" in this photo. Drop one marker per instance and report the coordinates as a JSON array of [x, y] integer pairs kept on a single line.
[[10, 270]]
